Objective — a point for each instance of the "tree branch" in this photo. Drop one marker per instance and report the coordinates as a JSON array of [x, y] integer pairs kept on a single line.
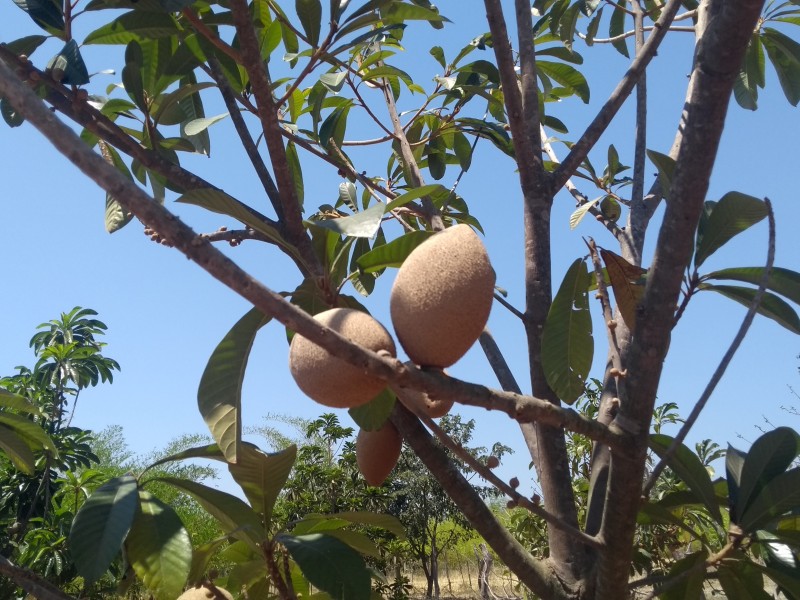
[[268, 115], [601, 122], [533, 573], [32, 583], [719, 57], [248, 143], [726, 359], [200, 250]]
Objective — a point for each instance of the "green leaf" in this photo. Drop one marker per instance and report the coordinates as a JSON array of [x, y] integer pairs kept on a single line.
[[741, 581], [357, 541], [218, 201], [26, 45], [158, 547], [296, 171], [101, 525], [567, 345], [690, 470], [347, 195], [17, 450], [383, 521], [789, 583], [770, 455], [134, 26], [566, 75], [45, 13], [310, 14], [192, 107], [262, 476], [330, 564], [733, 214], [31, 432], [617, 28], [16, 402], [219, 396], [691, 587], [425, 190], [10, 114], [780, 495], [666, 169], [196, 126], [392, 254], [412, 12], [771, 305], [201, 558], [333, 127], [577, 216], [234, 516], [364, 224], [781, 281], [784, 53], [334, 81], [75, 72], [372, 415]]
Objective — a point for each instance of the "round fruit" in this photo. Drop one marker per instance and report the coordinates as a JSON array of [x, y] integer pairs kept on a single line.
[[442, 296], [377, 452], [330, 380], [206, 593], [420, 402]]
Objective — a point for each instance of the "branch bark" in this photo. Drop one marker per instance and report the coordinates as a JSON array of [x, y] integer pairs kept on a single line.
[[719, 56], [32, 583]]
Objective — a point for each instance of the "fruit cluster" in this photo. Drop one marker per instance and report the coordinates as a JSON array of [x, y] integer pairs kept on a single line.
[[439, 305]]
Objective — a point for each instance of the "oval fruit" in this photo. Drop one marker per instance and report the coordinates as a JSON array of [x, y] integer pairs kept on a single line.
[[377, 453], [420, 402], [330, 380], [442, 297], [206, 593]]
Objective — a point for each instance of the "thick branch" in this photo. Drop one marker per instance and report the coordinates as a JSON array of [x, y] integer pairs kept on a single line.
[[719, 57], [603, 119], [268, 114], [32, 583]]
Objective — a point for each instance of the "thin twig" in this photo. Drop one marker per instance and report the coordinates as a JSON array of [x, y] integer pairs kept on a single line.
[[601, 122], [726, 359], [515, 311], [432, 214], [631, 33], [248, 143], [235, 236], [201, 28], [487, 474], [635, 237]]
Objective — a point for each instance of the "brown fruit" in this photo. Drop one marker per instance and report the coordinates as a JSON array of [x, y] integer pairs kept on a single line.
[[330, 380], [420, 402], [206, 593], [492, 462], [377, 452], [442, 296]]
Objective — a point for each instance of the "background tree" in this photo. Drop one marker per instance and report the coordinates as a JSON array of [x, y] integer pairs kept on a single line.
[[37, 507], [340, 61]]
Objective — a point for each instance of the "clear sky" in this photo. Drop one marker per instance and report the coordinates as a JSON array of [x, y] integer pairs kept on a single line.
[[165, 315]]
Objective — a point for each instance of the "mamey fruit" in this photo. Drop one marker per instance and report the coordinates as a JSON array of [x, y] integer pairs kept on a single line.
[[417, 401], [377, 452], [206, 593], [330, 380], [442, 296], [421, 402]]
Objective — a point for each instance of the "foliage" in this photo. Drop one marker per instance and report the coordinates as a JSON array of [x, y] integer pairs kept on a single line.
[[46, 472], [309, 80]]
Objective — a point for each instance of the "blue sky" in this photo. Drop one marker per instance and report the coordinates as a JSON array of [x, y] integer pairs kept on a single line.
[[165, 315]]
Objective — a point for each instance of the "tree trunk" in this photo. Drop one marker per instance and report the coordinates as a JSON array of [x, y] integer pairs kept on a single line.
[[484, 570], [435, 569]]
